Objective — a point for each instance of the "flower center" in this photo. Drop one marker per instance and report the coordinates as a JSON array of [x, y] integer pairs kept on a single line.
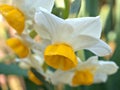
[[18, 47], [83, 77], [14, 17], [60, 56]]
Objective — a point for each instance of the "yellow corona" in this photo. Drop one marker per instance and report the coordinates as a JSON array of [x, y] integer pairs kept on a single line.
[[83, 77], [18, 47], [62, 54], [14, 17]]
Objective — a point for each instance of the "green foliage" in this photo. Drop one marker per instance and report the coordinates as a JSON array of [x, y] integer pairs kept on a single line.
[[12, 69], [92, 7], [75, 8]]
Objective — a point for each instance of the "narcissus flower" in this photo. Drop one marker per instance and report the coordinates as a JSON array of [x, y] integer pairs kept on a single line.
[[36, 62], [21, 10], [86, 73], [33, 61], [14, 17], [22, 45], [68, 36], [18, 47]]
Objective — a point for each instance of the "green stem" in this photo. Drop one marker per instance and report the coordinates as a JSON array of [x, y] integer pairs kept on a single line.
[[81, 54], [42, 78], [33, 33]]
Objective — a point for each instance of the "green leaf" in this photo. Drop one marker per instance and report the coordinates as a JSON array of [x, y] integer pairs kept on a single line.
[[12, 69], [109, 22], [42, 78], [67, 87], [67, 9], [30, 85], [113, 81], [100, 86], [92, 7], [75, 8], [62, 12]]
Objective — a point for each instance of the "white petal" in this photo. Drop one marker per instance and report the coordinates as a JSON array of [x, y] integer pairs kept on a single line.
[[26, 39], [52, 26], [93, 59], [87, 26], [36, 63], [29, 6], [100, 49], [43, 43], [82, 42], [79, 60], [62, 77], [24, 65], [38, 48], [24, 60], [100, 77], [107, 67], [47, 4], [39, 59], [48, 74], [91, 64], [42, 31]]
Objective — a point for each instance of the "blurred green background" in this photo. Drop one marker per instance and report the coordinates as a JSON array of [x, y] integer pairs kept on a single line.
[[108, 10]]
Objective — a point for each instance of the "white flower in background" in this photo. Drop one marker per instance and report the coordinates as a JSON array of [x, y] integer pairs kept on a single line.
[[22, 45], [36, 62], [29, 7], [17, 16], [68, 36], [22, 10], [86, 73]]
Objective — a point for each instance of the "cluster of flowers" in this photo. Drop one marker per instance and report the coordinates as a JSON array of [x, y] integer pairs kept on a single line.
[[60, 39]]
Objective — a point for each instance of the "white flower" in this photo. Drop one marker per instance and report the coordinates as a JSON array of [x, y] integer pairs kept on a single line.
[[30, 6], [20, 11], [34, 61], [68, 36], [86, 73], [22, 45]]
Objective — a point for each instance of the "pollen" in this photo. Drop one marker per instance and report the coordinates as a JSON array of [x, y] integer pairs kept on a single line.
[[18, 47], [14, 17], [33, 78], [82, 77], [60, 56]]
